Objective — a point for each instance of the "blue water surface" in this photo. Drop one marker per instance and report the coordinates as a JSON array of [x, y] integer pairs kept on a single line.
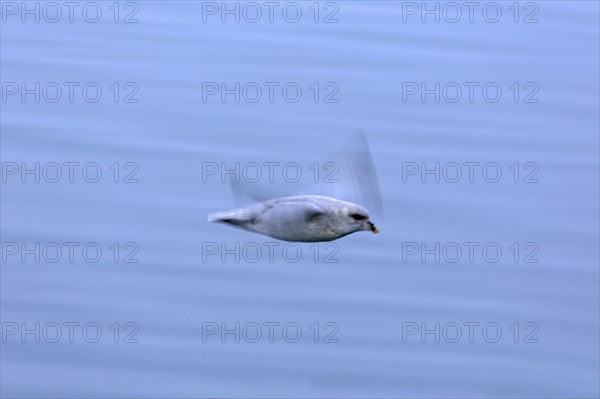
[[411, 312]]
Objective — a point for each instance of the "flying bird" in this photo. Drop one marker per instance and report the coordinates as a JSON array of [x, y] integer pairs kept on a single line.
[[316, 217], [304, 218]]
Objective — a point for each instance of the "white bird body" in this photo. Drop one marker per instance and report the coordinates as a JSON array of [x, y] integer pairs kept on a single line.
[[304, 218]]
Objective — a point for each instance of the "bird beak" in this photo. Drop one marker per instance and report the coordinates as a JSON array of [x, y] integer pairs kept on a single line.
[[374, 229]]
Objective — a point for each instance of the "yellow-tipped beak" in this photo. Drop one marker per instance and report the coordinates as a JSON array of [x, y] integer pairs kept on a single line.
[[375, 230]]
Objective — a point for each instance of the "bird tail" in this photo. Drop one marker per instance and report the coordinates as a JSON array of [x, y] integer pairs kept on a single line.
[[216, 217], [233, 218]]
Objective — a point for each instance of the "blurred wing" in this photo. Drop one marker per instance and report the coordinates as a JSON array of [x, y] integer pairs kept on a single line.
[[246, 193], [356, 178], [349, 175]]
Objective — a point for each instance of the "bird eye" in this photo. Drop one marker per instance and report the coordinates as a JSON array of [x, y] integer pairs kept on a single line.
[[357, 216]]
